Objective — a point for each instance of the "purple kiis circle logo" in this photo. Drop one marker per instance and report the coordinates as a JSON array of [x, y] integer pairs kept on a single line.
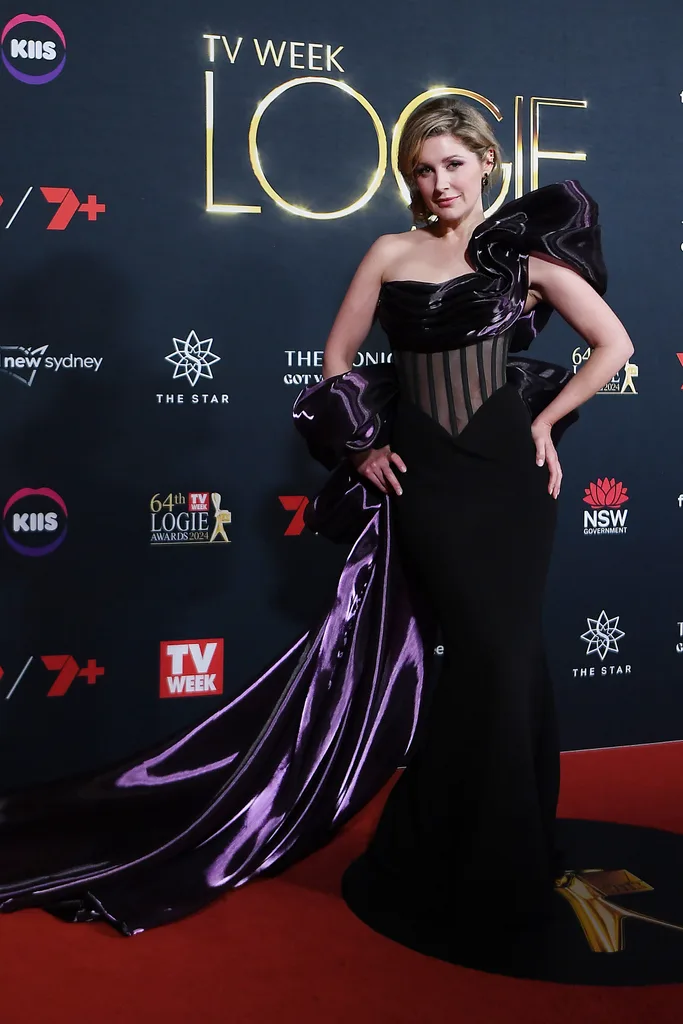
[[31, 43], [34, 521]]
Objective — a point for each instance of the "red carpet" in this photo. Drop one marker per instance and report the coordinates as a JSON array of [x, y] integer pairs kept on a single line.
[[288, 950]]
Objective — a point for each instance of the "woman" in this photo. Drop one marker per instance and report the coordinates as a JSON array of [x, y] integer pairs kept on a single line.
[[275, 772], [469, 827]]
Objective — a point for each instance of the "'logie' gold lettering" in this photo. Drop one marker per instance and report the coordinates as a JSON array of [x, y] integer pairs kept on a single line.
[[515, 166]]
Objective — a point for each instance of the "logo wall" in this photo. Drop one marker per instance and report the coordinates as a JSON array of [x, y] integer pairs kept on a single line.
[[33, 48], [193, 360], [191, 668], [187, 519], [35, 521], [605, 498]]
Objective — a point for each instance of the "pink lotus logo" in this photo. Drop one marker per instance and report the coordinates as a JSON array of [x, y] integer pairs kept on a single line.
[[606, 493], [33, 48]]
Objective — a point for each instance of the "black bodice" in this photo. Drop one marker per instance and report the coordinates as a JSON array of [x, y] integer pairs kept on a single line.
[[451, 339]]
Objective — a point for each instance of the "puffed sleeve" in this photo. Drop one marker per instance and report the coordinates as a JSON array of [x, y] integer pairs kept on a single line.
[[347, 413]]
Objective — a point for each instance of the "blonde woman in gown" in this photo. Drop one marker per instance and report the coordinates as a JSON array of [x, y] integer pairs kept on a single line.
[[444, 480]]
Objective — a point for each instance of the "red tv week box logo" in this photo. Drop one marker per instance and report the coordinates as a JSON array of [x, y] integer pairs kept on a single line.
[[191, 668]]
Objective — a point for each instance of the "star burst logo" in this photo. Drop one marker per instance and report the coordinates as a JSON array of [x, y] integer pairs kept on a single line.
[[192, 358], [602, 635]]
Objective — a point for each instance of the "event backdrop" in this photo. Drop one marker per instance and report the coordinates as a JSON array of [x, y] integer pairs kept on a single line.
[[185, 192]]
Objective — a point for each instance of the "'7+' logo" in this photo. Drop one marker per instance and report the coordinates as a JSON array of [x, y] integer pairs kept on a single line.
[[67, 670], [67, 202]]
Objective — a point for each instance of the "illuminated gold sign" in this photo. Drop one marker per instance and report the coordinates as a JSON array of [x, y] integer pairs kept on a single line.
[[326, 57]]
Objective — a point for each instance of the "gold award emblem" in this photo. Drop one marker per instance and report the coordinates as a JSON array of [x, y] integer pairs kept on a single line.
[[221, 516]]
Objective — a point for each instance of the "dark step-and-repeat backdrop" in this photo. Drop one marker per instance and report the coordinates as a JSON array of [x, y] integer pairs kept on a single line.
[[185, 192]]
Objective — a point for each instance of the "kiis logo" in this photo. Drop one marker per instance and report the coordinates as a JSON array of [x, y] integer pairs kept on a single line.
[[191, 668], [34, 521], [24, 363], [605, 498], [29, 39], [180, 519], [295, 503]]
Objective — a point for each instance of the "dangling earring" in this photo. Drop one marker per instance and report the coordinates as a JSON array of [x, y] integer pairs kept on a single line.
[[485, 180]]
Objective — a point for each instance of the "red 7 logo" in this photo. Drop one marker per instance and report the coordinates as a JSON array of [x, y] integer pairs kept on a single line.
[[294, 503]]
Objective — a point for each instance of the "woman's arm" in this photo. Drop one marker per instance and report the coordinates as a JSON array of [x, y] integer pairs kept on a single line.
[[354, 319], [581, 306], [584, 310], [349, 330]]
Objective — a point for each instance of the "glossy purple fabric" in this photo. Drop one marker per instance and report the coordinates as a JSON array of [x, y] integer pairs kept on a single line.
[[261, 782], [270, 776]]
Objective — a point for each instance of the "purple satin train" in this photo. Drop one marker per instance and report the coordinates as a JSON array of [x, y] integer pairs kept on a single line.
[[257, 784], [274, 773]]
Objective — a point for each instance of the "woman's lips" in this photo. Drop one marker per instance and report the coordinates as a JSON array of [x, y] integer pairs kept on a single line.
[[446, 202]]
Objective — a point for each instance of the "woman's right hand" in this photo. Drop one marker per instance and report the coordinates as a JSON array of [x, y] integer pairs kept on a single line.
[[375, 465]]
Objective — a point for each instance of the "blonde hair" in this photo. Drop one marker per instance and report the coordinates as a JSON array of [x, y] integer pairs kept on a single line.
[[443, 115]]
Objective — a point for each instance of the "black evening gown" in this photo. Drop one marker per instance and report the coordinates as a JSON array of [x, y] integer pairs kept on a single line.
[[463, 554], [468, 832]]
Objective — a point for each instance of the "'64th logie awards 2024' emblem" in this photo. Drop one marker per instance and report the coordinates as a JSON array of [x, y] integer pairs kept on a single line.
[[192, 518]]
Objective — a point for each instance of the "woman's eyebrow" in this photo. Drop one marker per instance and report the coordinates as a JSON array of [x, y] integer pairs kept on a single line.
[[445, 160]]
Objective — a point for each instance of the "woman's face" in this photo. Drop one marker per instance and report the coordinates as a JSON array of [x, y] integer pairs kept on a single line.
[[448, 175]]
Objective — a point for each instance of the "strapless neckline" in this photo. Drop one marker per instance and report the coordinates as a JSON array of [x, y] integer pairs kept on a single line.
[[433, 284]]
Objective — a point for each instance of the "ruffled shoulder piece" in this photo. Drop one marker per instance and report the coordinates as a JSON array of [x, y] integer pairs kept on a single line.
[[559, 220]]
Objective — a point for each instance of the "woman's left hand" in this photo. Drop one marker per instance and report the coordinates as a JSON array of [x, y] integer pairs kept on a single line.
[[546, 453]]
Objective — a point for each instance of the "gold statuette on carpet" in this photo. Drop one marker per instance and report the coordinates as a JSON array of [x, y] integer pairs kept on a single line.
[[602, 920]]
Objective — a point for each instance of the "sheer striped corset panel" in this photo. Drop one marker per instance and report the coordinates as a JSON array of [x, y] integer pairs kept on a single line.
[[450, 386]]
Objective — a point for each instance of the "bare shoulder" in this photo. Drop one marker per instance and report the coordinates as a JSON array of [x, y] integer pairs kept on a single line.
[[387, 244], [386, 249]]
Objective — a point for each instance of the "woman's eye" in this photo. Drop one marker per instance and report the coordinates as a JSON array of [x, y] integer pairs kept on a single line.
[[420, 173]]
